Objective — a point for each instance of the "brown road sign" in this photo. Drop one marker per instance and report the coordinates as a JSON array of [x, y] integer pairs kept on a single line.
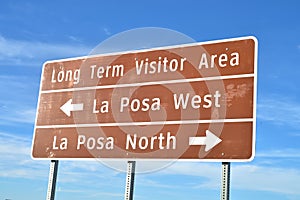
[[194, 101]]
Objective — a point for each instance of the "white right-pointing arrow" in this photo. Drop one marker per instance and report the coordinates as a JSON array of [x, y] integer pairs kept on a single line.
[[209, 141], [68, 107]]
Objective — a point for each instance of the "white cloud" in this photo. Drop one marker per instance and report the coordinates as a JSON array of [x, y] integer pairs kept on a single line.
[[100, 195], [243, 176], [88, 193], [19, 52], [16, 160], [271, 179], [210, 172]]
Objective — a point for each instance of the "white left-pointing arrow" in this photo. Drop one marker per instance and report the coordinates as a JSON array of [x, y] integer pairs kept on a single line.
[[209, 141], [68, 107]]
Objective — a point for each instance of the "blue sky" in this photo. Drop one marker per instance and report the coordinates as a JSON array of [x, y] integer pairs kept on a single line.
[[32, 32]]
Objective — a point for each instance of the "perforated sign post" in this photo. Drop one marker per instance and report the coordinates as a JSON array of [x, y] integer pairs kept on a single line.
[[194, 101]]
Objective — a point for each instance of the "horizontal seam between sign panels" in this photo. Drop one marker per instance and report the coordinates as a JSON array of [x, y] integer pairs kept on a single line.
[[150, 83], [203, 121]]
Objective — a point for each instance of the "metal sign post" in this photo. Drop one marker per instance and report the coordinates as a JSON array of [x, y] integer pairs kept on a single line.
[[130, 180], [52, 180], [225, 186]]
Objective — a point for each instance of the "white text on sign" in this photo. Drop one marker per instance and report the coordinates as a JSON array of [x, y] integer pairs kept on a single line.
[[147, 67]]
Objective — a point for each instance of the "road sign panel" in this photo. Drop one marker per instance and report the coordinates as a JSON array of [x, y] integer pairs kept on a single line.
[[194, 101]]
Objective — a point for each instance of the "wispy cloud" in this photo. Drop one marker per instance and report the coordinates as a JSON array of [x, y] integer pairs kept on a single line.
[[20, 115], [74, 38], [16, 162], [279, 110], [281, 153], [20, 52], [19, 99], [107, 31]]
